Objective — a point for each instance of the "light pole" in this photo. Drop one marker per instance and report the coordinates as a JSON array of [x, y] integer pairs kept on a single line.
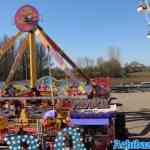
[[50, 74]]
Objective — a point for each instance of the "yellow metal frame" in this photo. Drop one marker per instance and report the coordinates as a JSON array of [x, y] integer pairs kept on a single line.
[[33, 56], [9, 43], [18, 59]]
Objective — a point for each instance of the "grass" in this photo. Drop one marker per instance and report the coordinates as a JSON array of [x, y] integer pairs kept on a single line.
[[134, 78]]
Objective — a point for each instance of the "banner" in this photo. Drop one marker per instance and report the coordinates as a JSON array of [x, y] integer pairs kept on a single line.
[[59, 59]]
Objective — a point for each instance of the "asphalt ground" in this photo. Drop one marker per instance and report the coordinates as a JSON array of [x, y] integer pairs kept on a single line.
[[137, 111]]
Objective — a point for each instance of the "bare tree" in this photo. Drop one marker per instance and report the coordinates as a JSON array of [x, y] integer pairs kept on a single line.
[[85, 62], [114, 53], [99, 61]]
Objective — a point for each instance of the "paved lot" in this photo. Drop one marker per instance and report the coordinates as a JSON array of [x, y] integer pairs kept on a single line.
[[137, 109]]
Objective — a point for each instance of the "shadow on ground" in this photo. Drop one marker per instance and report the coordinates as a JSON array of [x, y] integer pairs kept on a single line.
[[141, 115]]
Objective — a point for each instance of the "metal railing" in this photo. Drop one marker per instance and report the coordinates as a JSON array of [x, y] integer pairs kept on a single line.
[[4, 147], [44, 98], [131, 88]]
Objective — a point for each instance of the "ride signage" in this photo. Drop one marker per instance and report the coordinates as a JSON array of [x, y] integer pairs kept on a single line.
[[95, 103], [26, 18]]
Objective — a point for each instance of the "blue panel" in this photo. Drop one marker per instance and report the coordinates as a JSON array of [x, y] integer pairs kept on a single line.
[[90, 121], [75, 115]]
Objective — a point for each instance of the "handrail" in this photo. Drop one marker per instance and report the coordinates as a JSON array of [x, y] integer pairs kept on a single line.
[[3, 147], [43, 98]]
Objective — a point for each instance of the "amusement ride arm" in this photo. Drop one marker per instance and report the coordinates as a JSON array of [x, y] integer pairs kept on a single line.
[[8, 44], [51, 43], [18, 59], [148, 4]]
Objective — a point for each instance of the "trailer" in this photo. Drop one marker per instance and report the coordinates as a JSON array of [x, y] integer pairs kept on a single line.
[[99, 127]]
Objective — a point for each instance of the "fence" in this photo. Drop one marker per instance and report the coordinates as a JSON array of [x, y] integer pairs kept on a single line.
[[131, 88]]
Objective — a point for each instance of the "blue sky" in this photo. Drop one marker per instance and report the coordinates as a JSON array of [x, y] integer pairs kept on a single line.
[[87, 27]]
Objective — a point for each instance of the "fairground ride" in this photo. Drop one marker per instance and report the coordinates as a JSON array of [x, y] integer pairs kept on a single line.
[[27, 19], [69, 114], [144, 8]]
